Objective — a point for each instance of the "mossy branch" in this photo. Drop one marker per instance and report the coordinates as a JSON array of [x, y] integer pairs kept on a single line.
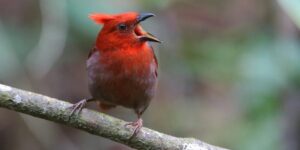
[[94, 122]]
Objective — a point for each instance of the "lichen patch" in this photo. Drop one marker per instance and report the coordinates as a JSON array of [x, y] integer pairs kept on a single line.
[[17, 99], [193, 147]]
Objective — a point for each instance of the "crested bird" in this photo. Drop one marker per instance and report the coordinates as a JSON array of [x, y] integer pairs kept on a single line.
[[122, 66]]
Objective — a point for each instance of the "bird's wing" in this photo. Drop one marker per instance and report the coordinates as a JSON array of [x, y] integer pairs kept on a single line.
[[93, 50], [155, 60]]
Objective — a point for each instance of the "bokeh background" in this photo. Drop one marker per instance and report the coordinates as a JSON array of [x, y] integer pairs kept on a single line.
[[229, 70]]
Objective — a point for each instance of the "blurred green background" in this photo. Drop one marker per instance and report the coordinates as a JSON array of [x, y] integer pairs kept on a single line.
[[229, 70]]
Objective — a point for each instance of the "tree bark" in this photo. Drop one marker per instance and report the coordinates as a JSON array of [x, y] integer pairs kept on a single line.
[[94, 122]]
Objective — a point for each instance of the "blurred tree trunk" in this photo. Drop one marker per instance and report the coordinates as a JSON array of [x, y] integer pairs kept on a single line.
[[291, 119], [287, 30]]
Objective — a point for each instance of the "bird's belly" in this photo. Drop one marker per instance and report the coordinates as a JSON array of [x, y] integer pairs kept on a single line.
[[132, 88]]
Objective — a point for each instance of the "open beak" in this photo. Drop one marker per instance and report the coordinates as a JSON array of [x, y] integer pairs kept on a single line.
[[143, 35]]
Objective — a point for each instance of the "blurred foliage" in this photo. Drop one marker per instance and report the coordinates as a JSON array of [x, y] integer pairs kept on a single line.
[[225, 68]]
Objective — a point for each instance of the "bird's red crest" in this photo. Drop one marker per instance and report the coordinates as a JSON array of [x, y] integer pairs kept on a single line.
[[100, 18]]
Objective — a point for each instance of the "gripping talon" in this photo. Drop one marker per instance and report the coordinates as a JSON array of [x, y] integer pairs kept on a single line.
[[78, 107], [137, 127]]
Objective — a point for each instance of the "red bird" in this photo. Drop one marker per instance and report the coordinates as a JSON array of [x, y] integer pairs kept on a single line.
[[122, 66]]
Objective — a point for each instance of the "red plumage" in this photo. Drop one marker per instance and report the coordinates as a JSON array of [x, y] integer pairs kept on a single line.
[[122, 66]]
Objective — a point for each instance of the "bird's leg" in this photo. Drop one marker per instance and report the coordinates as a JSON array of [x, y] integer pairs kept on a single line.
[[80, 105], [138, 124]]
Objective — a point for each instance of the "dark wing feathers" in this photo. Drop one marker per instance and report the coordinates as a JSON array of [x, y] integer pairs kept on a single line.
[[155, 59], [94, 49]]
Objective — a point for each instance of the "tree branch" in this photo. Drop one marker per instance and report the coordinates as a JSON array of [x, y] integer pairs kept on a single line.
[[94, 122]]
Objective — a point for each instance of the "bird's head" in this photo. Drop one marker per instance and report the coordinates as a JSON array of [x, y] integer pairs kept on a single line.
[[123, 28]]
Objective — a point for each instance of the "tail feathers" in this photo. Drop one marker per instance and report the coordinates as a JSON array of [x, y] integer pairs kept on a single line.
[[105, 107]]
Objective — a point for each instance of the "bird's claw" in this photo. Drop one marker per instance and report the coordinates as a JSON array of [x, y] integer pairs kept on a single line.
[[78, 107], [137, 127]]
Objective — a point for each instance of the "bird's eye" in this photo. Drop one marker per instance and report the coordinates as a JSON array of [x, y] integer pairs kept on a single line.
[[122, 27]]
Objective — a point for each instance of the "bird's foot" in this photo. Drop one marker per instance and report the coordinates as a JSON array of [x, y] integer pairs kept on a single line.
[[138, 124], [78, 107]]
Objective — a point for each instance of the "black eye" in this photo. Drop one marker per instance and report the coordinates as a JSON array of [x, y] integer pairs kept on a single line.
[[122, 27]]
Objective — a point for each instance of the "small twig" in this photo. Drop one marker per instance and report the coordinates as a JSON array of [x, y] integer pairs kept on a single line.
[[94, 122]]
